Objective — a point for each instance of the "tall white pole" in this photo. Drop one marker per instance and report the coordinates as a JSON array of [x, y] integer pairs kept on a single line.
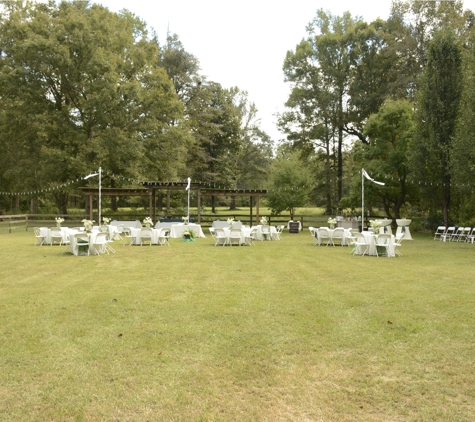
[[188, 188], [362, 200], [100, 199]]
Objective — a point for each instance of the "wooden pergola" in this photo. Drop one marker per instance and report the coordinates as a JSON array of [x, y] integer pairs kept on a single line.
[[151, 189]]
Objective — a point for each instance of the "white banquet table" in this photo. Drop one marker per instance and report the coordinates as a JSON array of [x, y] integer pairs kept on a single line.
[[177, 230], [136, 234], [259, 236], [46, 233], [346, 234], [245, 232], [74, 246], [370, 238]]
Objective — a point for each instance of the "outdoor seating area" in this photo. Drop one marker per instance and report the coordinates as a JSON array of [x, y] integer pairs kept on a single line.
[[97, 240], [455, 234], [366, 243]]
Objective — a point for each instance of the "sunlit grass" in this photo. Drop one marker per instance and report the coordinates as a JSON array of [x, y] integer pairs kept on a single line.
[[279, 331]]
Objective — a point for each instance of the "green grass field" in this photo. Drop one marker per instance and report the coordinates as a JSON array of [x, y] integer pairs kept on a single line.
[[283, 331]]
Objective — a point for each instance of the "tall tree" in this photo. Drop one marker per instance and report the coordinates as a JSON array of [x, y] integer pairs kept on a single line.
[[437, 111], [91, 85], [290, 183], [390, 132]]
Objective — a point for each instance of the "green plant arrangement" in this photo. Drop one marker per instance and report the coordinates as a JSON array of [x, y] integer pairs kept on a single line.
[[188, 236]]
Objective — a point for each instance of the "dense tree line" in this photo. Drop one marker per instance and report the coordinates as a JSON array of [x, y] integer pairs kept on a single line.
[[393, 96], [82, 88]]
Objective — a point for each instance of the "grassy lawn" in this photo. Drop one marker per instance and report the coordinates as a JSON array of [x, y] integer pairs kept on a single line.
[[283, 331]]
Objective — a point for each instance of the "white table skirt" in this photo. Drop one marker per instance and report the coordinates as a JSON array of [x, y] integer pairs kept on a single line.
[[245, 232], [259, 236], [46, 233], [218, 224], [137, 238], [177, 230], [346, 234], [74, 246], [137, 224], [370, 238]]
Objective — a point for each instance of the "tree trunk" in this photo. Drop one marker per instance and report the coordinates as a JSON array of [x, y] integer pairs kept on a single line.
[[32, 206], [61, 199], [213, 205]]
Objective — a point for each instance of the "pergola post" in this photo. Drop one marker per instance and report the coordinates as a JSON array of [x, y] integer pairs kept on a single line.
[[257, 209], [199, 206], [250, 210], [153, 212], [90, 206]]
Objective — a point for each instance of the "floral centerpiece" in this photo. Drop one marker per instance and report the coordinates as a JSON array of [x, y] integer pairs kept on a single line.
[[106, 220], [376, 225], [230, 222], [188, 236], [332, 222], [88, 224], [59, 220], [147, 221], [263, 221], [185, 219]]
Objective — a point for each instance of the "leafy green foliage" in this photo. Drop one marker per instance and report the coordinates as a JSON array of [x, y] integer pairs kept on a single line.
[[290, 184]]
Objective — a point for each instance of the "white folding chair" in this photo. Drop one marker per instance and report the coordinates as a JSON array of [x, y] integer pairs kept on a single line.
[[313, 233], [439, 232], [129, 238], [266, 235], [361, 245], [163, 237], [251, 237], [471, 236], [221, 238], [212, 232], [99, 245], [278, 232], [464, 233], [82, 240], [448, 234], [324, 235], [235, 237], [398, 243], [56, 236], [40, 239], [338, 235], [382, 244], [146, 235], [457, 233]]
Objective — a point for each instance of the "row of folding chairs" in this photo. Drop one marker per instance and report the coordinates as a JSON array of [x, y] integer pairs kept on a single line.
[[455, 234]]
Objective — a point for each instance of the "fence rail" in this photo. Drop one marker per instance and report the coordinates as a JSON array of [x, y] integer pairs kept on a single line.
[[13, 222]]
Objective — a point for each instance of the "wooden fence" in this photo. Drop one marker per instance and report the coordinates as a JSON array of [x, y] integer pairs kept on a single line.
[[25, 221]]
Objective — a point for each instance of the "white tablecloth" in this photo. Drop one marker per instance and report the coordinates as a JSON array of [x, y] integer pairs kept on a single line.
[[370, 238], [137, 238], [245, 232], [177, 230], [46, 233], [259, 236], [74, 246], [217, 224], [135, 223], [346, 234]]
